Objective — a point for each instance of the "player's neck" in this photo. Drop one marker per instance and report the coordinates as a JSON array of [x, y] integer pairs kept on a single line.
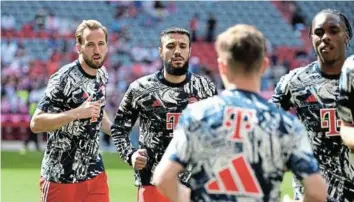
[[331, 69], [251, 84], [174, 79], [86, 68]]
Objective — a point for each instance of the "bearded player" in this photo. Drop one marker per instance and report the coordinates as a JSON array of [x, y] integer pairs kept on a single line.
[[158, 100], [72, 113]]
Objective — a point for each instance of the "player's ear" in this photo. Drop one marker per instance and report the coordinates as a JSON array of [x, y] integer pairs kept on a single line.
[[222, 66], [160, 51], [264, 65], [190, 48], [78, 48], [346, 38]]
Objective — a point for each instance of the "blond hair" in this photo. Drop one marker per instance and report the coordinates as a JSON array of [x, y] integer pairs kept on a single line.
[[242, 44], [89, 24]]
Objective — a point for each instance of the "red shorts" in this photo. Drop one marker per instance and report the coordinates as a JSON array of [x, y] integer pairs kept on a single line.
[[92, 190], [150, 194]]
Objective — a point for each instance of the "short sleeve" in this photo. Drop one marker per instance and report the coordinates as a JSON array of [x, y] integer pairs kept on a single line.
[[53, 98], [297, 151]]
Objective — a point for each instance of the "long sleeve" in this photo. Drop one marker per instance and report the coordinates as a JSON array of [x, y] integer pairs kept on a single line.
[[124, 120], [54, 94]]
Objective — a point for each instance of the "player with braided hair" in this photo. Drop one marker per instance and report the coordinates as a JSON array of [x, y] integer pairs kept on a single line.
[[312, 90], [344, 20]]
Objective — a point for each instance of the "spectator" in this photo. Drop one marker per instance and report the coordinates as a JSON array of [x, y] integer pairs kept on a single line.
[[40, 19], [193, 26], [139, 53], [36, 92], [8, 22], [52, 23], [65, 27], [211, 25], [194, 65], [298, 21], [8, 51]]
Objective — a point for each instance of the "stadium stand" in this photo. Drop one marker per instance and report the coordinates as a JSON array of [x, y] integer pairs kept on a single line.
[[38, 37]]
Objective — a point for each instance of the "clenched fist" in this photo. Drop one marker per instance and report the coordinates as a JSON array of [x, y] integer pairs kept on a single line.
[[89, 109], [139, 159]]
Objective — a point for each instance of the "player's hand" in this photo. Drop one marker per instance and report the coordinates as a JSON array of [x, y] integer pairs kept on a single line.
[[185, 194], [139, 159], [89, 109]]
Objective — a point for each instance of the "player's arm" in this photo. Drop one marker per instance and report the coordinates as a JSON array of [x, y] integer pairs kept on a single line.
[[345, 102], [123, 123], [211, 87], [173, 162], [300, 160], [282, 96], [44, 122], [347, 134], [166, 180], [46, 118], [106, 124]]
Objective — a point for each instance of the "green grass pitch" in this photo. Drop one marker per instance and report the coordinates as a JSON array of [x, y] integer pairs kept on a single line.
[[20, 178]]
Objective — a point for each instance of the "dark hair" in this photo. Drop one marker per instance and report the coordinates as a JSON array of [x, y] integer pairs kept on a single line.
[[175, 30], [243, 44], [342, 17]]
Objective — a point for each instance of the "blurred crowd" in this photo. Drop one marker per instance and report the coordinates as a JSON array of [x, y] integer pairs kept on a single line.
[[25, 74]]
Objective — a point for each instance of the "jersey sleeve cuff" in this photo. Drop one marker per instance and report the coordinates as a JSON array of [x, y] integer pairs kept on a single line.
[[129, 157], [302, 169], [42, 107], [175, 158]]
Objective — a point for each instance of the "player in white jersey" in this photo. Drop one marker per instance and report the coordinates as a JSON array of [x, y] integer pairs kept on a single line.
[[237, 143]]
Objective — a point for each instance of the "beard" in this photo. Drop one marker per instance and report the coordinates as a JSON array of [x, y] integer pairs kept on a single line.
[[91, 63], [176, 71]]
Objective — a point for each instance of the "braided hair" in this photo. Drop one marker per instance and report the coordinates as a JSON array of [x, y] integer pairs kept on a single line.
[[344, 19]]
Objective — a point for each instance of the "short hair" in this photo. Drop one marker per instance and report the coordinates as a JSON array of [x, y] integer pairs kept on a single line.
[[90, 24], [343, 18], [243, 44], [175, 30]]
